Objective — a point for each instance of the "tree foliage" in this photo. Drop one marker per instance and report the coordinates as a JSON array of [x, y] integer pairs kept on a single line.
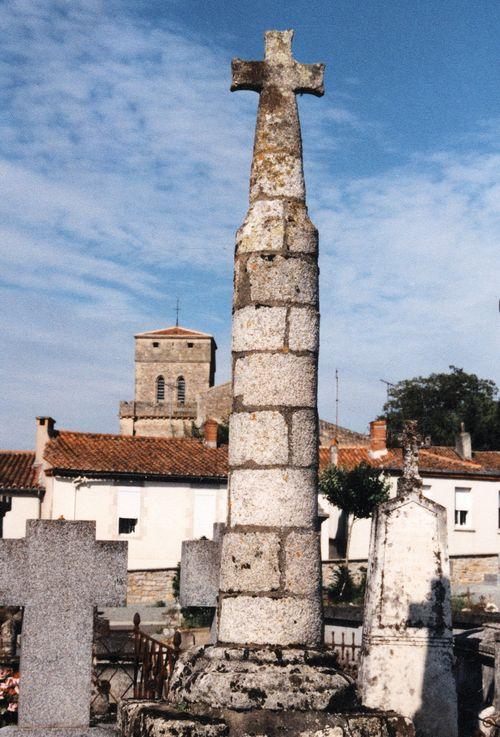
[[440, 402], [356, 491]]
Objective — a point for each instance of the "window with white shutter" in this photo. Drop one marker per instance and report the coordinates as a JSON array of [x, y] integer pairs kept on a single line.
[[129, 507], [463, 506]]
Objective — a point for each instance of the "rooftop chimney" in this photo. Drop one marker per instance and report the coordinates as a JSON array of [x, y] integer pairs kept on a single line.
[[463, 445], [378, 438], [210, 433], [44, 431], [334, 452]]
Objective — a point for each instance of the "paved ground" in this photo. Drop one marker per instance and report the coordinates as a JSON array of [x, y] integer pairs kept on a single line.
[[150, 615]]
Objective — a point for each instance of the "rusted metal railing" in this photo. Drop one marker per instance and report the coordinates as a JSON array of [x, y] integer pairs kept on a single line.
[[348, 653], [153, 663]]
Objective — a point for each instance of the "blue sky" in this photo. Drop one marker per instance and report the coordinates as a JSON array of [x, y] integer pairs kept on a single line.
[[125, 164]]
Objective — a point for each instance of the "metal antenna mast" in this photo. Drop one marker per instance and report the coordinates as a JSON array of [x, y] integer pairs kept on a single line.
[[336, 404], [177, 309]]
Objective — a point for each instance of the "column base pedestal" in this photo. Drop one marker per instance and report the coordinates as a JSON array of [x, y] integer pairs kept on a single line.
[[156, 719], [261, 678]]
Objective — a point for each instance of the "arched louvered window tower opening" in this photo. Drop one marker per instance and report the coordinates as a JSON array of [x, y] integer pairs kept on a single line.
[[181, 390], [160, 389]]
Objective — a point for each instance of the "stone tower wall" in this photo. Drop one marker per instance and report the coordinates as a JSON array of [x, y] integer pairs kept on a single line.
[[173, 358]]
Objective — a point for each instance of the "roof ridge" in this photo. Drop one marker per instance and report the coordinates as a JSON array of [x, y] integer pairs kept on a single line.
[[118, 436], [31, 452], [464, 461]]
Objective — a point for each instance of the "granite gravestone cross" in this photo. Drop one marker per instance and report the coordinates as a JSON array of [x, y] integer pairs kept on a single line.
[[269, 598], [59, 573], [407, 652]]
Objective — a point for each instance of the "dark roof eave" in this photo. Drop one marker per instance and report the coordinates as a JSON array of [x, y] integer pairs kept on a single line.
[[490, 475], [17, 491], [130, 475]]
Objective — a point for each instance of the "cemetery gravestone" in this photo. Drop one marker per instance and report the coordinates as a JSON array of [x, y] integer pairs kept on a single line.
[[59, 573], [407, 653]]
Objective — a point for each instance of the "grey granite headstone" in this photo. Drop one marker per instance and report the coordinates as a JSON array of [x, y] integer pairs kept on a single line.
[[59, 573], [200, 569], [407, 654]]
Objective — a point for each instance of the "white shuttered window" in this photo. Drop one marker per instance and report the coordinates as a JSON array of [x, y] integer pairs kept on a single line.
[[129, 508], [463, 507]]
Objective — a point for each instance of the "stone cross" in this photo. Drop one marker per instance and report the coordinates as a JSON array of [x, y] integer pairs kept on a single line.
[[59, 573], [268, 654], [411, 441], [270, 579], [277, 159]]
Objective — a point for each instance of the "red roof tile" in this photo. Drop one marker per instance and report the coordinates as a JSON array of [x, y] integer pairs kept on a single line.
[[121, 454], [435, 459], [17, 472], [488, 458]]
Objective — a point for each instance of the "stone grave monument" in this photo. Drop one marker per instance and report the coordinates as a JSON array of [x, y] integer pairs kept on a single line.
[[407, 652], [59, 573], [268, 672], [200, 573]]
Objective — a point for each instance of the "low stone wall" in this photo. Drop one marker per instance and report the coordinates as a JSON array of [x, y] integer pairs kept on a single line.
[[148, 587], [329, 567], [469, 569], [465, 569]]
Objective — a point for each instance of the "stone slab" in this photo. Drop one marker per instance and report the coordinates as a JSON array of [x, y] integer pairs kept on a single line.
[[200, 566], [261, 678], [157, 719], [46, 732], [260, 328], [276, 380]]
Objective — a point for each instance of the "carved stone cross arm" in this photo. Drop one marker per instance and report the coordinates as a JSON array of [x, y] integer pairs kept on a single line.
[[279, 68], [277, 170]]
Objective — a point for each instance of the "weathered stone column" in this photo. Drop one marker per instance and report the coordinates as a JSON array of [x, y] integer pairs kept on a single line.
[[407, 654], [270, 568], [270, 626]]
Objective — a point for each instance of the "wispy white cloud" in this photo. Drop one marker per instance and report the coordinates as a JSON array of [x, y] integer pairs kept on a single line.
[[410, 275], [124, 169]]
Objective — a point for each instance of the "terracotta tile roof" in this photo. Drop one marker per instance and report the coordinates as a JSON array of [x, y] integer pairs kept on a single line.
[[17, 472], [175, 331], [329, 430], [121, 454], [488, 458], [435, 459]]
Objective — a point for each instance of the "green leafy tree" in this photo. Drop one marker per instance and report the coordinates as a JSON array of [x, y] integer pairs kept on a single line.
[[357, 492], [440, 402]]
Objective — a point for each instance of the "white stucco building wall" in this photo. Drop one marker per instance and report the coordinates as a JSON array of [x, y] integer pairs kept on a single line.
[[167, 513], [23, 508], [479, 536]]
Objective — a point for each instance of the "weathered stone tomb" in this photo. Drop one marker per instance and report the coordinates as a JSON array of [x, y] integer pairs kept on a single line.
[[407, 653], [59, 573]]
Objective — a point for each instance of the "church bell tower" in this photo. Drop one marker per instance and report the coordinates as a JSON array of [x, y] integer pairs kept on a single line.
[[173, 367]]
